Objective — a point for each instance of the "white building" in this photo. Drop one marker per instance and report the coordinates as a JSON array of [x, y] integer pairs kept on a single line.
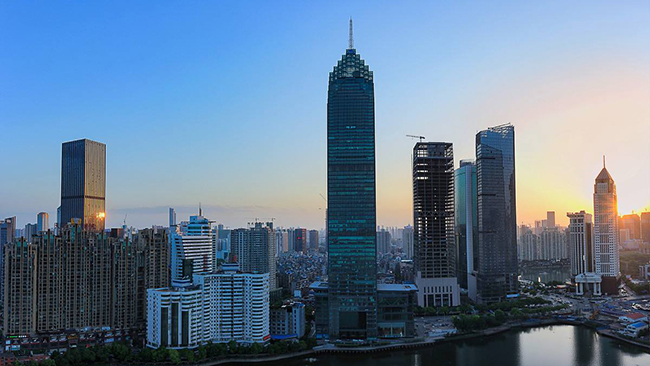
[[606, 225], [218, 307], [407, 241], [236, 306], [195, 249], [174, 317], [288, 321], [581, 252]]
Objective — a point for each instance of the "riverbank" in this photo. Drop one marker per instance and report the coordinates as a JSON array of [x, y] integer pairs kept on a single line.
[[331, 349]]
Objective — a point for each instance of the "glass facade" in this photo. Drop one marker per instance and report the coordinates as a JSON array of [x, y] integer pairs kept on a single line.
[[497, 214], [351, 224], [83, 183], [465, 211]]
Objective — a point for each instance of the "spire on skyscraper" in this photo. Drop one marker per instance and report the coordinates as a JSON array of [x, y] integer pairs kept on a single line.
[[351, 39]]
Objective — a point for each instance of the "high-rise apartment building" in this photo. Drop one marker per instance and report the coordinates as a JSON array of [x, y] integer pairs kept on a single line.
[[82, 280], [42, 222], [466, 221], [407, 241], [254, 250], [433, 224], [7, 235], [83, 183], [645, 227], [30, 230], [497, 214], [217, 307], [606, 231], [383, 241], [351, 199]]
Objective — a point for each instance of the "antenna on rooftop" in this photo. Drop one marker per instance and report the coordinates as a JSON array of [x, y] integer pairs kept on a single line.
[[351, 39]]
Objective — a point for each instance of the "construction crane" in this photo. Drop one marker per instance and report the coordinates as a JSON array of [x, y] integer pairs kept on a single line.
[[422, 138]]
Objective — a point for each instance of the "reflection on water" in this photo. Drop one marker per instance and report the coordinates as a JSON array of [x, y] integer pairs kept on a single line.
[[556, 346], [546, 274]]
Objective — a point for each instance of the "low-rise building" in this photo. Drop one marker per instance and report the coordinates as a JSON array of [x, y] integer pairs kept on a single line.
[[288, 321], [633, 318], [634, 329]]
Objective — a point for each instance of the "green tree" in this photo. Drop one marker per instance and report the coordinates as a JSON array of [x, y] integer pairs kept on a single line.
[[256, 348], [48, 362], [174, 356]]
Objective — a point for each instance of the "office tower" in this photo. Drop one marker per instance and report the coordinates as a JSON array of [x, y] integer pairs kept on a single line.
[[433, 224], [30, 230], [218, 307], [254, 250], [313, 240], [645, 227], [631, 223], [407, 241], [281, 241], [172, 217], [383, 241], [20, 297], [466, 221], [497, 214], [606, 230], [351, 194], [192, 252], [300, 240], [580, 242], [83, 183], [581, 250], [42, 222], [550, 219]]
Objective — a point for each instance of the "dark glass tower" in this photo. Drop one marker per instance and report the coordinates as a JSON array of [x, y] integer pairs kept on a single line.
[[352, 246], [466, 220], [434, 254], [83, 183], [497, 214]]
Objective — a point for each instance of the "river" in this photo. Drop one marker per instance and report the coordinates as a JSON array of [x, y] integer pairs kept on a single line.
[[562, 345]]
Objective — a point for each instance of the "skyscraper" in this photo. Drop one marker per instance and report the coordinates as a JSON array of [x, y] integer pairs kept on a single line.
[[300, 240], [581, 252], [631, 223], [466, 221], [550, 219], [254, 250], [83, 183], [351, 205], [42, 222], [192, 253], [606, 230], [645, 227], [434, 241], [497, 214]]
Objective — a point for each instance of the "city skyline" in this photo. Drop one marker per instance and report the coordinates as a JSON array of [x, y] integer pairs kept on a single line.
[[155, 121]]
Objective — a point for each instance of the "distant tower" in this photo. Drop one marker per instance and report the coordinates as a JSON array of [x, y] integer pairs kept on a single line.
[[550, 219], [172, 217], [465, 222], [42, 222], [83, 183], [606, 230]]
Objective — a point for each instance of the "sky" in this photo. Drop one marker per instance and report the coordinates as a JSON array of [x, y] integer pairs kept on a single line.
[[224, 103]]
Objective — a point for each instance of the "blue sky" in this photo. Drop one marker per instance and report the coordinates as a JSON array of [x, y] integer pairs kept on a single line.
[[224, 102]]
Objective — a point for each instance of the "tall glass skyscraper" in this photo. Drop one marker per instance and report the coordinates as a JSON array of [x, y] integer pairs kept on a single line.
[[497, 214], [83, 183], [466, 222], [352, 246]]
